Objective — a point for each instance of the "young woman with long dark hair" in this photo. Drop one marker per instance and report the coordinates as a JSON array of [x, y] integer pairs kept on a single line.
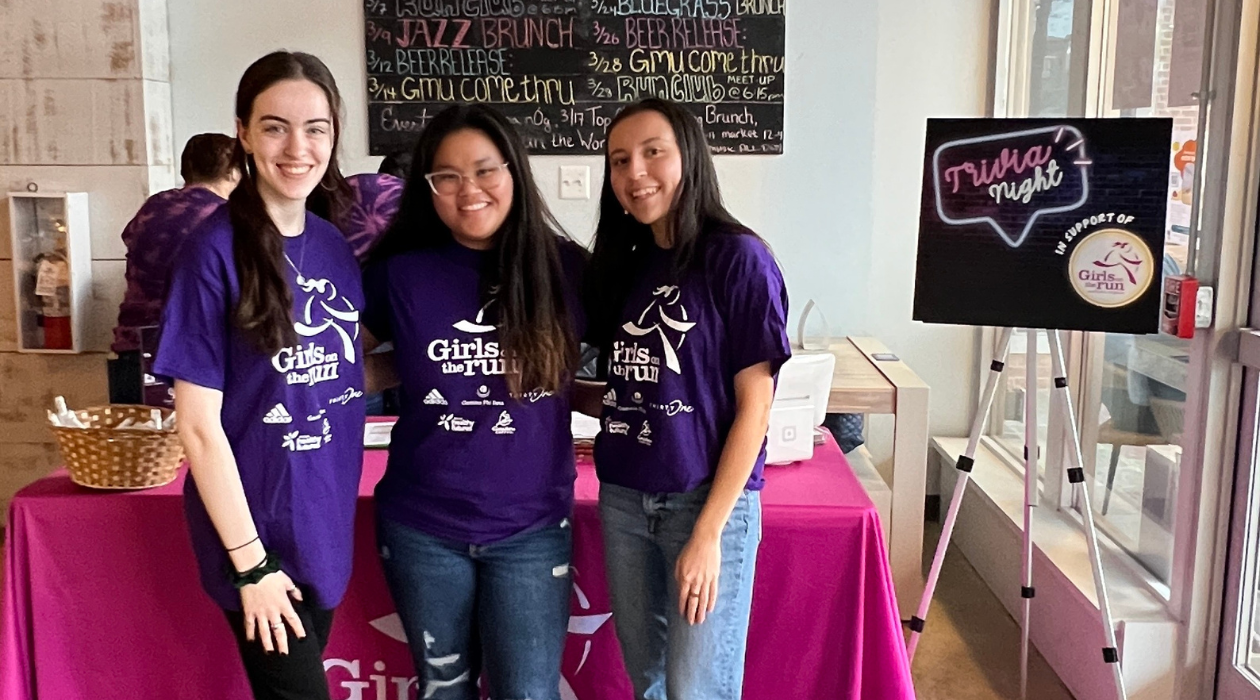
[[689, 308], [261, 335], [480, 295]]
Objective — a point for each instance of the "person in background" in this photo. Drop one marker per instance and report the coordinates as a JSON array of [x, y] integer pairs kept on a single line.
[[261, 336], [397, 164], [690, 309], [152, 237], [362, 209], [373, 204], [480, 294]]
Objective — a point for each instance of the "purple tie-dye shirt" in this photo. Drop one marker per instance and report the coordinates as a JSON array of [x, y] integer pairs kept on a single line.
[[376, 198], [152, 239]]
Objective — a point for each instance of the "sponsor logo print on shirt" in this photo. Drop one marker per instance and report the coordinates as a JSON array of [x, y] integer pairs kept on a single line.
[[637, 397], [297, 442], [346, 397], [534, 396], [455, 424], [317, 416], [504, 425], [616, 427], [277, 415], [435, 398], [610, 398], [645, 434], [483, 391], [670, 321], [672, 408]]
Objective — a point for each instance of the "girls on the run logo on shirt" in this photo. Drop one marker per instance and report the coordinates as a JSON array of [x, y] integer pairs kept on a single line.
[[634, 362], [309, 365], [468, 358], [671, 322]]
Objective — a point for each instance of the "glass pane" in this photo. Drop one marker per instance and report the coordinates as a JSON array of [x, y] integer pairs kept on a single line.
[[1248, 630], [1057, 57], [1152, 71], [1138, 451], [1007, 414], [1050, 84]]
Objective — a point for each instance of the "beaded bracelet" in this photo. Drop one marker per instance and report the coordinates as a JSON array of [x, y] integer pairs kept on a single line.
[[269, 565]]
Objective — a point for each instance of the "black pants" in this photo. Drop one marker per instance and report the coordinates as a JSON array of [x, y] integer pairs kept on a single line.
[[126, 380], [299, 675]]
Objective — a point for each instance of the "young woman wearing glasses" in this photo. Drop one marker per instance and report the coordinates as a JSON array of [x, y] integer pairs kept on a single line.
[[480, 295], [690, 309]]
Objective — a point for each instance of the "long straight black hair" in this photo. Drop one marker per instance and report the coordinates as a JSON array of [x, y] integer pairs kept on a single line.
[[525, 268], [264, 311], [622, 242]]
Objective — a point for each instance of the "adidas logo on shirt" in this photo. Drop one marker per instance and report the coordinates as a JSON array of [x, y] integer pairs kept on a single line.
[[277, 415], [435, 398]]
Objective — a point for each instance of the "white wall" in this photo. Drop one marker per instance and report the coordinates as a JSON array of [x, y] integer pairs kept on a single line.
[[839, 207], [932, 61]]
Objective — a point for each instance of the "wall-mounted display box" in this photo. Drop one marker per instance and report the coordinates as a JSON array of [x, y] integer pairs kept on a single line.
[[52, 269]]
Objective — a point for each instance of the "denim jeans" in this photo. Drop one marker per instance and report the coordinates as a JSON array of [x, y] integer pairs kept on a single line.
[[666, 657], [503, 607]]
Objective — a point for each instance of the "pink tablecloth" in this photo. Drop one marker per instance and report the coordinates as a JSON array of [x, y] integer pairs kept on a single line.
[[101, 601]]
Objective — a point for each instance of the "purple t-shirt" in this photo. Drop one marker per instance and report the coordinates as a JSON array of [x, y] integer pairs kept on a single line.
[[670, 400], [467, 461], [152, 238], [376, 198], [295, 420]]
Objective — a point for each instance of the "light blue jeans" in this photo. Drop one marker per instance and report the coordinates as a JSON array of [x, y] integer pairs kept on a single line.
[[666, 657]]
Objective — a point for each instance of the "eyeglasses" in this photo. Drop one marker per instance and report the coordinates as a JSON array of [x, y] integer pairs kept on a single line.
[[448, 182]]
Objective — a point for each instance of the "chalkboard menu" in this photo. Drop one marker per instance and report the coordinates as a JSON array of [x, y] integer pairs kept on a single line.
[[561, 69], [1043, 223]]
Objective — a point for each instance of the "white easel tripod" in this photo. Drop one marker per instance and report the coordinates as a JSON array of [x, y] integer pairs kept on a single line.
[[1060, 399]]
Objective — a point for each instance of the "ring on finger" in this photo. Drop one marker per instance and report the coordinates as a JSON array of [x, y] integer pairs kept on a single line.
[[277, 625]]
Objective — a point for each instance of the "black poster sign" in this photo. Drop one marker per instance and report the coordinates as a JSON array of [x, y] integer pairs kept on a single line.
[[561, 69], [1043, 223]]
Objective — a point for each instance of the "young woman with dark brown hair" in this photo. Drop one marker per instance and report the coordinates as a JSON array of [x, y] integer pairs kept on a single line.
[[479, 294], [261, 336]]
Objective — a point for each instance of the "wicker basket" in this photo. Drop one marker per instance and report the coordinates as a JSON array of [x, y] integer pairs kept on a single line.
[[101, 457]]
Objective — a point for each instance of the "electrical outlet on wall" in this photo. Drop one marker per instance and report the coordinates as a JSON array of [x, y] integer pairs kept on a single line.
[[575, 182]]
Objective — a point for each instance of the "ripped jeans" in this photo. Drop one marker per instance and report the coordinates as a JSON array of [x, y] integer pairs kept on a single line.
[[503, 607]]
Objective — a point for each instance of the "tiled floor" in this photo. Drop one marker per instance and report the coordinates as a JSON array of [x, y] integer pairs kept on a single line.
[[970, 649]]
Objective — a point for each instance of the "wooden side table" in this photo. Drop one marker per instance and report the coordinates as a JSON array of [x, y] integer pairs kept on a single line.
[[870, 379]]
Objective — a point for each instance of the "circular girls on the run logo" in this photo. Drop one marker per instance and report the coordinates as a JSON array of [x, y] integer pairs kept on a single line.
[[1111, 268]]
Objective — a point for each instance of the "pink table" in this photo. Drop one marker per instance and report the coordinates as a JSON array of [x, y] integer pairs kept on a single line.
[[101, 600]]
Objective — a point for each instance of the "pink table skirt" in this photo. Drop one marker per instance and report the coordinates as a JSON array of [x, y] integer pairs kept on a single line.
[[101, 600]]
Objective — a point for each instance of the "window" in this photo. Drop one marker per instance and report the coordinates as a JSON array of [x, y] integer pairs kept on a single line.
[[1128, 58]]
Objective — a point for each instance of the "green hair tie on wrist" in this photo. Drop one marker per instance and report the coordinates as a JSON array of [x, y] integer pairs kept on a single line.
[[269, 565]]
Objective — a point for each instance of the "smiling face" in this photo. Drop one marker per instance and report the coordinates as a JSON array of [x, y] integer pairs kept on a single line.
[[475, 212], [646, 167], [290, 135]]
